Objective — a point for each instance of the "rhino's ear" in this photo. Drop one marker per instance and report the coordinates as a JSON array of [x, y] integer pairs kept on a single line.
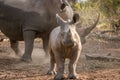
[[62, 7], [76, 18], [64, 4], [60, 21]]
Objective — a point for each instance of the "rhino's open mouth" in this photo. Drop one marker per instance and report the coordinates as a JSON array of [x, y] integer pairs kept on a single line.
[[70, 44]]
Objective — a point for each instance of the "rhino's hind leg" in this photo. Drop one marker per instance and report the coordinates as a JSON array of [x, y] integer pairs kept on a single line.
[[45, 42], [14, 45], [29, 40]]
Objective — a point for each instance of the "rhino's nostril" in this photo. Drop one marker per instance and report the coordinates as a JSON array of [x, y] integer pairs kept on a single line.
[[69, 44]]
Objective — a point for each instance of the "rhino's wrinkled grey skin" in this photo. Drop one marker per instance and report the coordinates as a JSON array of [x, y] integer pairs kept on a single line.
[[28, 19], [64, 43]]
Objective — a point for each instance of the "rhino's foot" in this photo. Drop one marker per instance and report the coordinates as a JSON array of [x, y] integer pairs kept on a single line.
[[65, 72], [18, 55], [52, 72], [59, 77], [26, 59], [73, 76]]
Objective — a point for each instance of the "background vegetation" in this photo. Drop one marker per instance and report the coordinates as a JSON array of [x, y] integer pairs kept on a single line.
[[109, 10]]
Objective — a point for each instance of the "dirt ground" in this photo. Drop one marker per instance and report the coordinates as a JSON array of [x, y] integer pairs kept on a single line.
[[11, 68]]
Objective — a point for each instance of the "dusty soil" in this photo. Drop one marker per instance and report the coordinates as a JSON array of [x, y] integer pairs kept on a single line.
[[11, 68]]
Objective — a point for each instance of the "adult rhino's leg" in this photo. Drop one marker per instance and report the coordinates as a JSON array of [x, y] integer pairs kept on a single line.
[[45, 42], [14, 45], [29, 40]]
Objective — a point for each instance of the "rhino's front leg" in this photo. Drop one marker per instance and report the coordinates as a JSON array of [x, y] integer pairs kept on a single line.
[[72, 71], [52, 69], [29, 40], [72, 66], [14, 45], [60, 67]]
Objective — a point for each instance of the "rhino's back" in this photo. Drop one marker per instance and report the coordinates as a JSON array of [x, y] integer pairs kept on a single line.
[[54, 38], [40, 17], [10, 21], [36, 15]]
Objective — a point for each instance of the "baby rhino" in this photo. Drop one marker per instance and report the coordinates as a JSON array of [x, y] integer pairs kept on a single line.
[[64, 43]]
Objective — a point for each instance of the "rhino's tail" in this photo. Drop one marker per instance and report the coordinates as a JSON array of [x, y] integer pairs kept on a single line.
[[45, 44]]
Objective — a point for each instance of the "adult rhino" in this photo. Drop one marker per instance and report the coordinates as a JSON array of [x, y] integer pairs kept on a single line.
[[28, 19]]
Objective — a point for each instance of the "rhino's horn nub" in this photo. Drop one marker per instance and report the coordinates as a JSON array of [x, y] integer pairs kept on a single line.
[[60, 20], [56, 15]]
